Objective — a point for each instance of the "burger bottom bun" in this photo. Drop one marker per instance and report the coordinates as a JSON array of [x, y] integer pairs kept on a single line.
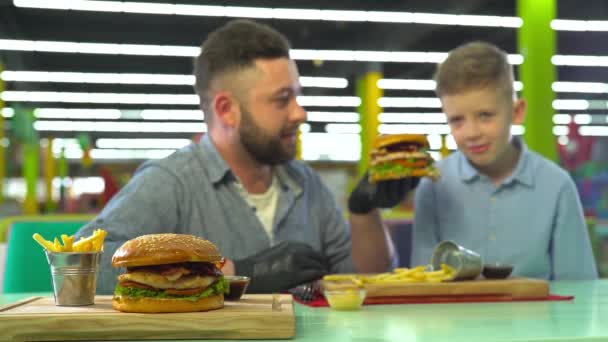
[[427, 172], [157, 305]]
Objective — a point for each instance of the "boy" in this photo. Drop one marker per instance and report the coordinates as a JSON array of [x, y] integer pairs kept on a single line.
[[495, 196]]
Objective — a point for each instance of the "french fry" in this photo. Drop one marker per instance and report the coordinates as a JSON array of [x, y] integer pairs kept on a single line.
[[357, 282], [379, 276], [99, 239], [68, 241], [395, 277], [449, 272], [434, 280], [417, 274], [435, 273], [82, 246], [93, 243], [57, 245], [338, 277], [44, 243], [87, 246], [417, 269], [96, 244], [401, 281]]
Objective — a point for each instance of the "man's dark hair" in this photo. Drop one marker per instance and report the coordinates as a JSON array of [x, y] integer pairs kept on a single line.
[[234, 46]]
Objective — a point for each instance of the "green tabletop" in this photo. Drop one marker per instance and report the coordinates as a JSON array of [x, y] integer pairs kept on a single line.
[[583, 319]]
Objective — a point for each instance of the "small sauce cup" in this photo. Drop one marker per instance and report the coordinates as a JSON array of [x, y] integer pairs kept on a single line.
[[497, 271], [238, 287], [350, 299]]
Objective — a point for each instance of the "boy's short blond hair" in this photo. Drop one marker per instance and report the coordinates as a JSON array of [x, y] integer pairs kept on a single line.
[[473, 66]]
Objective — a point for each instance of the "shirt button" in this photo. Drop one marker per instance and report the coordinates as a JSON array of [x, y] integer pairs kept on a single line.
[[493, 199], [492, 237]]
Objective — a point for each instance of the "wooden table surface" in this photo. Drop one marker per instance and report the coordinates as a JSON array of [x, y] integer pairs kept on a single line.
[[583, 319]]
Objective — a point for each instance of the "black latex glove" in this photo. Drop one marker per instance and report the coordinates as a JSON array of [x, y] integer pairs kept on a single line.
[[385, 194], [282, 267]]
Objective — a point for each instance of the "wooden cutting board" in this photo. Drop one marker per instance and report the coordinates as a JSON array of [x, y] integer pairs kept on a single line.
[[253, 317], [516, 288]]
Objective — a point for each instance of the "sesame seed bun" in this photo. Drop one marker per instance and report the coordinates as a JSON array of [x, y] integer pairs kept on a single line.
[[391, 139], [160, 249]]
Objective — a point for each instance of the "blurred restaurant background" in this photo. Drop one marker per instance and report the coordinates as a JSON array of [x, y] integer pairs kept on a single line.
[[91, 89]]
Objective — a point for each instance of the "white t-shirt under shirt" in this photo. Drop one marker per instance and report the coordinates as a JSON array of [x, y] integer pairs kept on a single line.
[[265, 205]]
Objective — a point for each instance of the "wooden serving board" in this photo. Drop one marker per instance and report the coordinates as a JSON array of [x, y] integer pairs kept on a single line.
[[516, 288], [253, 317]]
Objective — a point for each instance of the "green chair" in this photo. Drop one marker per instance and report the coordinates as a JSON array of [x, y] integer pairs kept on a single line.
[[7, 222], [27, 269]]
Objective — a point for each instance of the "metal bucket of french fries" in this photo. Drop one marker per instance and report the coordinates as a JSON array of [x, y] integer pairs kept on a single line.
[[74, 267], [466, 263], [74, 277]]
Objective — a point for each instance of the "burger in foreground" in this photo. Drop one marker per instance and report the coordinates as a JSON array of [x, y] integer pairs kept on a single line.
[[168, 273], [399, 156]]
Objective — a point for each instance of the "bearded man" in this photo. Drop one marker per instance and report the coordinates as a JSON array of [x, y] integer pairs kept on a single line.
[[271, 216]]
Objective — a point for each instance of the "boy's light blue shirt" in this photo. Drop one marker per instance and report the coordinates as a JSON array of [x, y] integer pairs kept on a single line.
[[532, 220]]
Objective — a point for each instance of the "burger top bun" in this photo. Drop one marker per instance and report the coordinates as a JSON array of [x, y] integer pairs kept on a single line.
[[391, 139], [161, 249]]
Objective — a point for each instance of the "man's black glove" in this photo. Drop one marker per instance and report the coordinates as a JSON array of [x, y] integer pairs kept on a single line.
[[282, 267], [384, 194]]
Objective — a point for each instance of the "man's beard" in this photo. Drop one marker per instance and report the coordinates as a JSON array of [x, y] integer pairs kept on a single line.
[[263, 147]]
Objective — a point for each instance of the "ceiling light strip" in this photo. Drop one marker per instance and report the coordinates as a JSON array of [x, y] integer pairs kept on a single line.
[[118, 126], [579, 25], [165, 99], [155, 79], [191, 51], [275, 13]]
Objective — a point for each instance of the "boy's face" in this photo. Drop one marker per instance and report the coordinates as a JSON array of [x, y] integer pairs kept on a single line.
[[480, 121]]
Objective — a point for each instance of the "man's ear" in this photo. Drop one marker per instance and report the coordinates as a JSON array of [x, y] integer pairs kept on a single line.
[[226, 108], [519, 111]]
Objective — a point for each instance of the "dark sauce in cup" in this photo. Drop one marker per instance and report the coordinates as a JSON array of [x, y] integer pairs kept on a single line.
[[497, 271], [238, 286]]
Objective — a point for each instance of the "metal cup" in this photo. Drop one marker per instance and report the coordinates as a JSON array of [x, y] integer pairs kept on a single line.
[[74, 277], [466, 263]]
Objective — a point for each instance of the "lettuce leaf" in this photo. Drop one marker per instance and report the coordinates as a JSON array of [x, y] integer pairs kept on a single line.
[[220, 286], [386, 168]]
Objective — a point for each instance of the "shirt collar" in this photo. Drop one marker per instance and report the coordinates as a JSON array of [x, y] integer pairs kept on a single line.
[[219, 170], [289, 178], [523, 171], [466, 170], [216, 165]]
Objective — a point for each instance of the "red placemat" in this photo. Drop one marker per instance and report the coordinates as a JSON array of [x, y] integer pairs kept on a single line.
[[321, 302]]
